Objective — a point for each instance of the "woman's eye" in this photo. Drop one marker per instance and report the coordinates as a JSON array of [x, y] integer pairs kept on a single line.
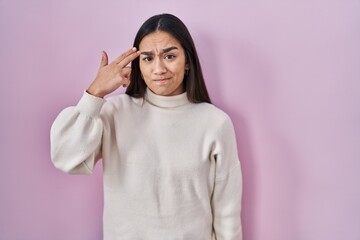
[[169, 56], [147, 59]]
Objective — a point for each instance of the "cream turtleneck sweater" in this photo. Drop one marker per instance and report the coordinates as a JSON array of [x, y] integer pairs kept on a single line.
[[170, 167]]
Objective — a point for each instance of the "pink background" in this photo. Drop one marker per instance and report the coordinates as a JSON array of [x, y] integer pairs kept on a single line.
[[287, 72]]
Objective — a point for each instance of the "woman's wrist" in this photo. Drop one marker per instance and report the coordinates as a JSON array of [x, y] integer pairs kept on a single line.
[[95, 93]]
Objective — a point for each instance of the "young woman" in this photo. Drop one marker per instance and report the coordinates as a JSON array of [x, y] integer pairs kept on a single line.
[[170, 163]]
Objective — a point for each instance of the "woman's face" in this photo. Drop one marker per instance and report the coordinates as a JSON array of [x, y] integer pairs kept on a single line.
[[162, 63]]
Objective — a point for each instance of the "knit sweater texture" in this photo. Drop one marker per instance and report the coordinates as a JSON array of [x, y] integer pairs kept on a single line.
[[170, 167]]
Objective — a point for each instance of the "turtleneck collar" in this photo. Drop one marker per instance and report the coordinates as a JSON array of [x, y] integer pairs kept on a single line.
[[166, 101]]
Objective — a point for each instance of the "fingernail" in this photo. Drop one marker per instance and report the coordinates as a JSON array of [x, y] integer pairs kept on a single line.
[[134, 49]]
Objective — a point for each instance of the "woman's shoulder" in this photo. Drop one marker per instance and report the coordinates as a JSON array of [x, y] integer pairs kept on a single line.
[[215, 120], [119, 103], [122, 100], [212, 112]]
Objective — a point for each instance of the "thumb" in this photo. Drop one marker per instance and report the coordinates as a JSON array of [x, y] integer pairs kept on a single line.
[[104, 59]]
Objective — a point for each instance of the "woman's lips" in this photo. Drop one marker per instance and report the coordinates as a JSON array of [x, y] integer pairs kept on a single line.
[[161, 81]]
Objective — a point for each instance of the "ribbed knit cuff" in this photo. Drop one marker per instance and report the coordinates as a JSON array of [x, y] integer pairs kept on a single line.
[[90, 105]]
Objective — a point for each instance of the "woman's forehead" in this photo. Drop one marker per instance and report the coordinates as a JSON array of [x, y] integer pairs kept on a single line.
[[158, 41]]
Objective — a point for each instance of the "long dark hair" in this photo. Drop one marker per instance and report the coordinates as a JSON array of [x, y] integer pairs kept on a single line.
[[194, 81]]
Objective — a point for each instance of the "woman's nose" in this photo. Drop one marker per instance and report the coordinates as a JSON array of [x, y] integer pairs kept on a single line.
[[159, 67]]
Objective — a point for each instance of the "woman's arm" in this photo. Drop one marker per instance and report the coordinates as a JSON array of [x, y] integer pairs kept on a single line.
[[226, 198], [76, 136]]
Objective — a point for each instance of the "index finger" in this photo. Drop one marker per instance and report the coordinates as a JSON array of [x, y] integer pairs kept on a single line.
[[122, 57]]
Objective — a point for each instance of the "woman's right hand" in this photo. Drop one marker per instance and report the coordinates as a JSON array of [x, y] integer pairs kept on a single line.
[[111, 76]]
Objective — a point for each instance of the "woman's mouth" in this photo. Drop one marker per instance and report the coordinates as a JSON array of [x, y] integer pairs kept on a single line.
[[161, 81]]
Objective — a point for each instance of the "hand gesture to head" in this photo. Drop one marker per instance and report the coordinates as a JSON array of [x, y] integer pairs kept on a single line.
[[111, 76]]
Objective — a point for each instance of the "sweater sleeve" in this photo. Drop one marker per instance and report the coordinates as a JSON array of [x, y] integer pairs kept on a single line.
[[75, 136], [226, 198]]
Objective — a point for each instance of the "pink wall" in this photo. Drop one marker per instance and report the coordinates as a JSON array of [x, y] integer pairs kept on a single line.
[[287, 73]]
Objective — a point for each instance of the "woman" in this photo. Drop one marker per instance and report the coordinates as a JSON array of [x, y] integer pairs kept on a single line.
[[170, 163]]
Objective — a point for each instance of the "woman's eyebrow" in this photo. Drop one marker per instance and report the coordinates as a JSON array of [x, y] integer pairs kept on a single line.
[[148, 53], [165, 50], [169, 49]]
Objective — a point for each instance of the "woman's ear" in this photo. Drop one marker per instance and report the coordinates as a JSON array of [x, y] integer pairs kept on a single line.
[[187, 69], [187, 66]]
